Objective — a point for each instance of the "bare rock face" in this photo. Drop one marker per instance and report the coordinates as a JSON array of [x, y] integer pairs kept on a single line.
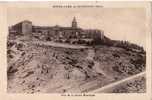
[[43, 68]]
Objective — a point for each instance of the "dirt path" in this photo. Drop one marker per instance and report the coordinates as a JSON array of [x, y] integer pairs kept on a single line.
[[100, 90], [54, 44], [96, 67]]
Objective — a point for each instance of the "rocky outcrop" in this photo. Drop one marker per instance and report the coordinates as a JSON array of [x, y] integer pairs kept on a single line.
[[45, 68]]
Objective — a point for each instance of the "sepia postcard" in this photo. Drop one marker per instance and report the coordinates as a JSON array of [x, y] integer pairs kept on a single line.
[[75, 50]]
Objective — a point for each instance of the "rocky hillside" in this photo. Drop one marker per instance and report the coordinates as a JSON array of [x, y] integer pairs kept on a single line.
[[43, 68]]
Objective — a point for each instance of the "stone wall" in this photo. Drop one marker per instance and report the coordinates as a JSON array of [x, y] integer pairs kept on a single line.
[[57, 33], [27, 27], [24, 27]]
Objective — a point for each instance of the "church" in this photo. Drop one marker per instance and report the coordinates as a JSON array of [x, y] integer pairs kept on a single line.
[[57, 33]]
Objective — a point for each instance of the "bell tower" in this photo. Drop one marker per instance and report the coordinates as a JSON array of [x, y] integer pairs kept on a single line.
[[74, 23]]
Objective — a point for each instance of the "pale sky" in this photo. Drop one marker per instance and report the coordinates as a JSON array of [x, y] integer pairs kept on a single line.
[[117, 23]]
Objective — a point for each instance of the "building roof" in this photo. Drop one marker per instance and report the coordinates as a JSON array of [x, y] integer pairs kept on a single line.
[[22, 22], [56, 28]]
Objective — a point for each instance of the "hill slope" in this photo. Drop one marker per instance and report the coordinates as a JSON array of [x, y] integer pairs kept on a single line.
[[39, 67]]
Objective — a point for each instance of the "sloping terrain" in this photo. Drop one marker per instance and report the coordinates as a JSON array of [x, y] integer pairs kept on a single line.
[[137, 85], [38, 67]]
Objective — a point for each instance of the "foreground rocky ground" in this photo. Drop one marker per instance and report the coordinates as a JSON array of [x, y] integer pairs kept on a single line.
[[39, 67]]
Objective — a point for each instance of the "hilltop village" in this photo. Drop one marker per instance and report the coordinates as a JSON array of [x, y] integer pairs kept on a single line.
[[73, 34], [45, 59]]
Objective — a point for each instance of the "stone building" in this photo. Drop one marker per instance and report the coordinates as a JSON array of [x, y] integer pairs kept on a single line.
[[24, 27], [57, 33], [74, 23]]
